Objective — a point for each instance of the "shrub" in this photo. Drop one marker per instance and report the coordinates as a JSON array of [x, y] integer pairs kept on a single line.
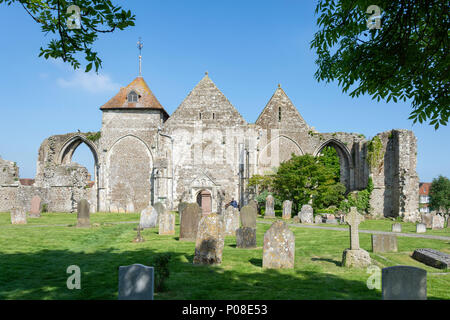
[[162, 272]]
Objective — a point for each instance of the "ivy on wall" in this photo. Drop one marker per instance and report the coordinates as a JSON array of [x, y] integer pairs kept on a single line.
[[375, 153]]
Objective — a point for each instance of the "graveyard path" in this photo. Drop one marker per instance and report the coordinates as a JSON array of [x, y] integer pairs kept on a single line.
[[65, 225], [410, 235]]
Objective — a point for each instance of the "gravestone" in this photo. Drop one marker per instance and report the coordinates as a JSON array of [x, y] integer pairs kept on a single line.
[[167, 223], [331, 221], [421, 228], [287, 208], [306, 214], [248, 217], [136, 282], [279, 247], [253, 204], [270, 211], [433, 258], [437, 222], [35, 211], [139, 237], [403, 283], [246, 238], [318, 219], [181, 207], [231, 220], [189, 222], [355, 256], [427, 219], [160, 208], [210, 240], [296, 219], [384, 243], [396, 227], [83, 214], [18, 216], [149, 218]]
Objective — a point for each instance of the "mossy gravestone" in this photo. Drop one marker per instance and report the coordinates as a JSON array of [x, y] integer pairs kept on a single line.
[[248, 217], [231, 220], [167, 223], [287, 208], [149, 218], [270, 211], [189, 222], [210, 240], [279, 247], [83, 214], [246, 235]]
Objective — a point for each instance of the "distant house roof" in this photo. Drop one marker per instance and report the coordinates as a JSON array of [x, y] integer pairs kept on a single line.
[[424, 188], [26, 182], [146, 98]]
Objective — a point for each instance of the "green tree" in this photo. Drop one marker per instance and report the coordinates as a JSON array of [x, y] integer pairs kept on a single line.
[[95, 16], [329, 157], [440, 194], [407, 58]]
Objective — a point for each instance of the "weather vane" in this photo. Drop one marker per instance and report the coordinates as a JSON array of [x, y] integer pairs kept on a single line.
[[140, 44]]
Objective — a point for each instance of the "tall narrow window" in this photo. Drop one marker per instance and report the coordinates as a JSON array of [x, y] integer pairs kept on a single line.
[[214, 116], [132, 96], [279, 114], [200, 115]]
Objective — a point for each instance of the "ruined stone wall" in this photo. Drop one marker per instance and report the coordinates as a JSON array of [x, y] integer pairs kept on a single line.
[[9, 172]]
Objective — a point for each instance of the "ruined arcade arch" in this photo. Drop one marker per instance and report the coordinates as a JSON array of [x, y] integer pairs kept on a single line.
[[278, 150]]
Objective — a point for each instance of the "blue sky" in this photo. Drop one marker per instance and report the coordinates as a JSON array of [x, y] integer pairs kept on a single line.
[[248, 47]]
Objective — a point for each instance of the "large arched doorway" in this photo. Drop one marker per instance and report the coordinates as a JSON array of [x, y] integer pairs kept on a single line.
[[204, 201]]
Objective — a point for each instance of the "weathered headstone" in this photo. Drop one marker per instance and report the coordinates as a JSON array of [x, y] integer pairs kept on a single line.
[[306, 214], [287, 208], [427, 219], [130, 207], [248, 217], [384, 243], [167, 223], [433, 258], [396, 227], [421, 228], [403, 283], [210, 240], [189, 222], [149, 218], [159, 207], [181, 207], [318, 219], [331, 221], [270, 211], [296, 219], [279, 247], [18, 216], [246, 238], [355, 256], [231, 220], [83, 214], [253, 204], [35, 211], [437, 222], [136, 282]]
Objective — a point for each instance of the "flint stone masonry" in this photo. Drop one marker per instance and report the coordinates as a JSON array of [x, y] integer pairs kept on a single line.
[[248, 217], [210, 240], [306, 214], [189, 222], [433, 258], [18, 216], [403, 283], [270, 211], [287, 208], [231, 221], [136, 282], [149, 218], [279, 247], [246, 238], [437, 222], [384, 243], [83, 214]]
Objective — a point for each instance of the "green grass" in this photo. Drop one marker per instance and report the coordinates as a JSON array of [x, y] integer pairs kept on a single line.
[[33, 263]]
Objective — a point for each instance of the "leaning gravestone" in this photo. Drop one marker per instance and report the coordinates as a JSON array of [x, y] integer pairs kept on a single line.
[[189, 222], [306, 214], [384, 243], [437, 222], [421, 228], [355, 256], [210, 240], [149, 218], [35, 211], [18, 216], [396, 227], [287, 208], [279, 247], [231, 221], [167, 223], [246, 238], [83, 214], [427, 219], [248, 217], [270, 211], [403, 283], [433, 258], [136, 282]]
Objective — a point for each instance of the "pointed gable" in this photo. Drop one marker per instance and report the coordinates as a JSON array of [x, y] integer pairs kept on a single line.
[[145, 98], [202, 179], [280, 112], [207, 103]]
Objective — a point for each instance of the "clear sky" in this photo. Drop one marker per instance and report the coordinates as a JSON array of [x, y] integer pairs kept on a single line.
[[248, 47]]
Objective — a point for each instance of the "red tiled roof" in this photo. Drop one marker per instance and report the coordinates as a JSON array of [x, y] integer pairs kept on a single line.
[[26, 182], [424, 188]]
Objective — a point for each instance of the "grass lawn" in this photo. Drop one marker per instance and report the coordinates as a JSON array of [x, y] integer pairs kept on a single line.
[[34, 259]]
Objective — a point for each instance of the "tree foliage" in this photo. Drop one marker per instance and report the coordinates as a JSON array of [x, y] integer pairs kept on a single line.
[[440, 194], [407, 58], [96, 16]]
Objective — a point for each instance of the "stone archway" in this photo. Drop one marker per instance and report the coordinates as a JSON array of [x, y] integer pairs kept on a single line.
[[204, 200]]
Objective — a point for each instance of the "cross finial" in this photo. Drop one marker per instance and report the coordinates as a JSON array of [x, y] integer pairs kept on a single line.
[[140, 44]]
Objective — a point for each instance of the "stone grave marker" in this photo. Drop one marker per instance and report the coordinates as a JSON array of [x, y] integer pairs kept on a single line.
[[287, 208], [167, 223], [83, 214], [181, 207], [189, 222], [270, 211], [437, 222], [231, 220], [433, 258], [306, 214], [421, 228], [403, 283], [136, 282], [279, 247], [355, 256], [248, 217], [35, 211], [384, 243], [296, 219], [159, 207], [396, 227], [427, 219], [210, 240], [149, 218], [318, 219], [139, 237], [246, 238], [18, 216], [253, 204]]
